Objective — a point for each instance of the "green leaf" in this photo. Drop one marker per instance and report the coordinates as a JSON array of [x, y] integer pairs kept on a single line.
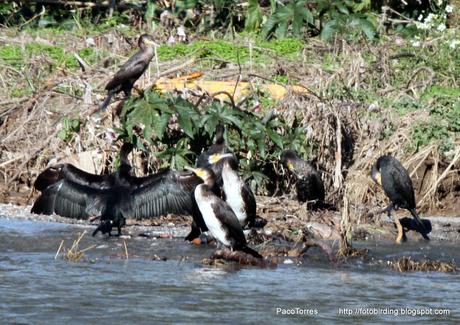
[[368, 28], [342, 8], [329, 29], [253, 16], [276, 138]]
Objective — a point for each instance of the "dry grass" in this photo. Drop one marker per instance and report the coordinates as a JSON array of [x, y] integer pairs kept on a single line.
[[74, 253], [406, 264]]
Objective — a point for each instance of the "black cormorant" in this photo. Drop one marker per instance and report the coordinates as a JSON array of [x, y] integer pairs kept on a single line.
[[309, 184], [71, 192], [219, 217], [168, 191], [129, 72], [390, 174], [239, 195]]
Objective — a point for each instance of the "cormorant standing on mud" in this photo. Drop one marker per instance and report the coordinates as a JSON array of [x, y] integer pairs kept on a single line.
[[218, 215], [390, 174], [309, 184], [239, 195], [71, 192], [129, 72]]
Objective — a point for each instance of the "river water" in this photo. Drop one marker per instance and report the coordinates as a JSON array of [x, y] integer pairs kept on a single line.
[[106, 288]]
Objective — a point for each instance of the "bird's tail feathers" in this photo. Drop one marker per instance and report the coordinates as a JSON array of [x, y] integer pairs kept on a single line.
[[106, 102], [422, 228], [250, 251], [258, 222]]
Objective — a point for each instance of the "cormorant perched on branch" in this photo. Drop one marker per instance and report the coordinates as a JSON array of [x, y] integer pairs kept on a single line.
[[219, 217], [309, 184], [389, 173], [129, 72]]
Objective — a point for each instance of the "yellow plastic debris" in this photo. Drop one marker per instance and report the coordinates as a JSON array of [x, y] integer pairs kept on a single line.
[[187, 83]]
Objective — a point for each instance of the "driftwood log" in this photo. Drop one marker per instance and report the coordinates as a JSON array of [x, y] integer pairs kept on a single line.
[[274, 255]]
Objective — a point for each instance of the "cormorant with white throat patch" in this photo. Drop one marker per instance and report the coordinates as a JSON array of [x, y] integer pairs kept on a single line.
[[219, 217], [211, 157], [239, 195]]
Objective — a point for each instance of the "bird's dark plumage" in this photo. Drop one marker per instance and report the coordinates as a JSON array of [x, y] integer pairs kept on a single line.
[[71, 192], [389, 173], [309, 184], [129, 72], [69, 172]]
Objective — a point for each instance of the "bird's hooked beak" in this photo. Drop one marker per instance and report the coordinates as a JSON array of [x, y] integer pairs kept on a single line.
[[218, 156], [290, 165], [200, 172], [378, 178], [150, 42]]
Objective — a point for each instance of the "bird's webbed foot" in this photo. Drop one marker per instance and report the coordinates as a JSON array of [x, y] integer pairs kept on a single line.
[[105, 227]]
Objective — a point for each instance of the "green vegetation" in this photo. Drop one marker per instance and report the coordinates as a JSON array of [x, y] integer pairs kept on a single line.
[[14, 55], [258, 140], [234, 51], [411, 69], [70, 126]]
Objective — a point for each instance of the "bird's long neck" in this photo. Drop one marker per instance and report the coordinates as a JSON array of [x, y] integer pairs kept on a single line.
[[220, 136]]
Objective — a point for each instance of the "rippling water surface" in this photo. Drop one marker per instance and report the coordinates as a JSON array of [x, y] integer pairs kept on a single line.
[[108, 289]]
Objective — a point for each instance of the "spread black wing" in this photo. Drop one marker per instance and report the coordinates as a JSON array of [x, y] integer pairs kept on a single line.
[[72, 200], [167, 192], [71, 173]]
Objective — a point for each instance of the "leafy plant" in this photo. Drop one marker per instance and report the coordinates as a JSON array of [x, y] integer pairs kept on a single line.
[[288, 19], [177, 132], [253, 16], [69, 127], [349, 18], [324, 16]]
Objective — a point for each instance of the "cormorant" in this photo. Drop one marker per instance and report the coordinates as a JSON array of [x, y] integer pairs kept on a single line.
[[71, 192], [239, 195], [168, 191], [390, 174], [129, 72], [218, 215], [309, 184]]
